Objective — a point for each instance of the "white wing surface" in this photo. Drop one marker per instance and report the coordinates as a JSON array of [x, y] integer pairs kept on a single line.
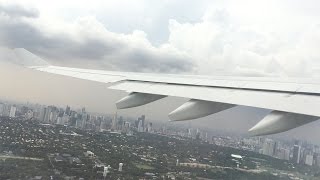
[[294, 102]]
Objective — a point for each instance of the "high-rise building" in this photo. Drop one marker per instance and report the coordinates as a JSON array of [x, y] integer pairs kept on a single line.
[[13, 110], [140, 126], [296, 154], [198, 134], [48, 118], [149, 128], [54, 116], [79, 123], [275, 148], [125, 127], [309, 160], [68, 111], [136, 123], [114, 122], [318, 160], [2, 107], [284, 154], [189, 133], [142, 119], [59, 121], [6, 110], [268, 147], [24, 110], [103, 124], [206, 137], [84, 119], [42, 114], [62, 120]]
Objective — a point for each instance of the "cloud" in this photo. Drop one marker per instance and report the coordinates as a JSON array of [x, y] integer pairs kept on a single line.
[[17, 10], [86, 40], [263, 39], [226, 42]]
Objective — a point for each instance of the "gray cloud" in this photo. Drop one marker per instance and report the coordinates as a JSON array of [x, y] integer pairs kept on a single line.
[[16, 10], [87, 40]]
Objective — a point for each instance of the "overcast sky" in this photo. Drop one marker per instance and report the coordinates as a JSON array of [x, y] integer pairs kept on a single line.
[[244, 38]]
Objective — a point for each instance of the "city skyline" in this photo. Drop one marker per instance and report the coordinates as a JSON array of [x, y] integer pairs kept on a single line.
[[246, 117], [292, 150]]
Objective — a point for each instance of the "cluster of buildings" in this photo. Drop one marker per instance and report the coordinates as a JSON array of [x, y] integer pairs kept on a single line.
[[8, 110], [79, 118], [307, 154], [298, 152], [83, 120], [142, 126], [190, 133], [50, 114]]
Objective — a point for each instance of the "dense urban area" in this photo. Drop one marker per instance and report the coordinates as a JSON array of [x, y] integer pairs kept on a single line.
[[48, 142]]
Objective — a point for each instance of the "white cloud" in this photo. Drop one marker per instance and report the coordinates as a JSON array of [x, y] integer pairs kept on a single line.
[[232, 44], [234, 37]]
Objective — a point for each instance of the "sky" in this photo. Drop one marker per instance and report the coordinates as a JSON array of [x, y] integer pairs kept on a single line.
[[213, 37]]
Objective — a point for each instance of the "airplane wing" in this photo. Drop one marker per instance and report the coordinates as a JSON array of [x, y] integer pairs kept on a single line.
[[294, 102]]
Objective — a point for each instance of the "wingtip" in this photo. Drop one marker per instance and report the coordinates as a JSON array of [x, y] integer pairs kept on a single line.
[[28, 59]]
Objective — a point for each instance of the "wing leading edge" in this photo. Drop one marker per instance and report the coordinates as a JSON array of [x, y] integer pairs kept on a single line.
[[294, 102]]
